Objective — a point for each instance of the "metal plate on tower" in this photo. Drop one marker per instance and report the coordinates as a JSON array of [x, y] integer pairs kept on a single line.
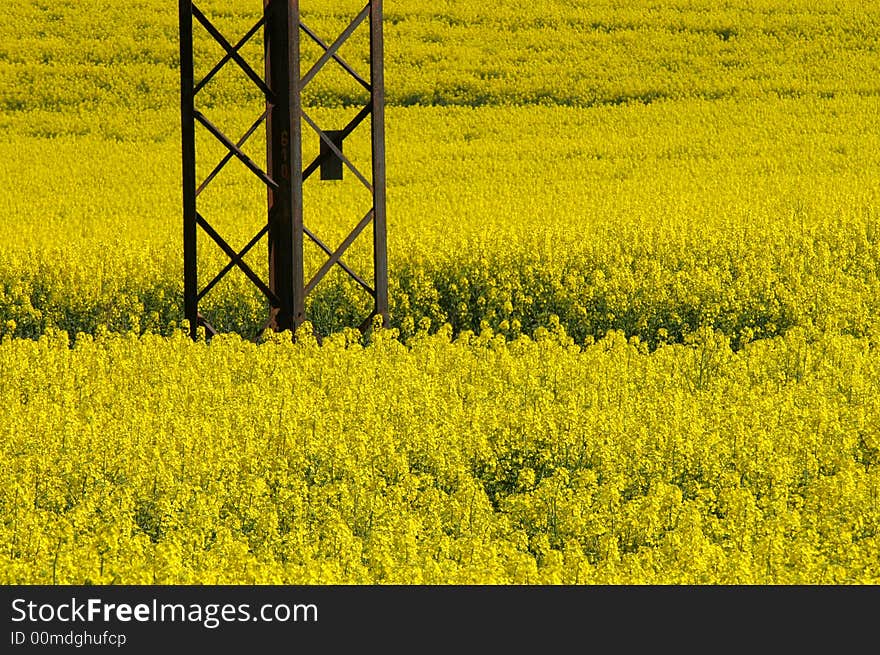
[[331, 164]]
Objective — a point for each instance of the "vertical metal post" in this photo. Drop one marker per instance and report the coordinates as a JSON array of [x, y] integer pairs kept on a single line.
[[377, 120], [188, 138], [284, 162]]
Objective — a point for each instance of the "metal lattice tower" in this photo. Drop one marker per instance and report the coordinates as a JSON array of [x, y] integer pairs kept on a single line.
[[282, 85]]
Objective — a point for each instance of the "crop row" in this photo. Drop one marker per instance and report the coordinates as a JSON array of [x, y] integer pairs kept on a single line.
[[474, 460], [746, 217], [56, 55]]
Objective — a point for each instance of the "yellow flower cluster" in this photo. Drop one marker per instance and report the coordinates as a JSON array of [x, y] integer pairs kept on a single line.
[[471, 460]]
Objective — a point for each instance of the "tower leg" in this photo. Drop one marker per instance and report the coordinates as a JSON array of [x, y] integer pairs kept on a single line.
[[188, 139], [284, 163], [377, 119]]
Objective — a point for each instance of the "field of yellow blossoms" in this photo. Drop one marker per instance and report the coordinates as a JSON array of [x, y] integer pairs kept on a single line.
[[635, 294]]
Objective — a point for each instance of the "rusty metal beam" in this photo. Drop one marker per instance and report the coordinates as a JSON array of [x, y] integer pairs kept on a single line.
[[232, 262], [237, 259], [377, 120], [354, 276], [235, 49], [231, 51], [328, 142], [188, 146], [337, 254], [229, 155], [336, 57], [284, 161]]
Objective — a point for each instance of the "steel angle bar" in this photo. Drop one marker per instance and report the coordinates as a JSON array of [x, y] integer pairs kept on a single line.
[[235, 150], [230, 154], [228, 56], [210, 330], [332, 50], [272, 318], [337, 254], [347, 130], [241, 254], [233, 255], [323, 246], [188, 155], [336, 151], [367, 322], [380, 238], [284, 162], [360, 80], [232, 52]]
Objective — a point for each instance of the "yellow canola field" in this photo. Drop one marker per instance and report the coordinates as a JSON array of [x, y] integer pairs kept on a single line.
[[650, 168], [659, 216], [478, 460]]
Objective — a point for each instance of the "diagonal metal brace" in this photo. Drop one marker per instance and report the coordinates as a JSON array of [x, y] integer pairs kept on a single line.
[[232, 262], [238, 46], [232, 52], [336, 151], [339, 60], [230, 154], [334, 258], [344, 132], [235, 150], [331, 51], [234, 256], [354, 276], [367, 321]]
